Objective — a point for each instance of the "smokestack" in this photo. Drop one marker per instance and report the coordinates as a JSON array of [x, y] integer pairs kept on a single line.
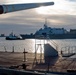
[[18, 7]]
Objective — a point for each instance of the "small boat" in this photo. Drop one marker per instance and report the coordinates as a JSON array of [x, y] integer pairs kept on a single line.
[[13, 37]]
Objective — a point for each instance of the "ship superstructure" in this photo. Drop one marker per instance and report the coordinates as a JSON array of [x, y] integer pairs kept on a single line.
[[48, 30]]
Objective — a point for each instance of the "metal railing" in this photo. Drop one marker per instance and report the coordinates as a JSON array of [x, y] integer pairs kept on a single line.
[[53, 43], [68, 50]]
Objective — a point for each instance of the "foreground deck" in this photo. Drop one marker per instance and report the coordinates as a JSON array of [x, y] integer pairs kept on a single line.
[[63, 64]]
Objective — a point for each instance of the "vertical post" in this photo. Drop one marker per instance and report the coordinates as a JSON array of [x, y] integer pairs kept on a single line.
[[48, 64], [24, 64], [68, 50], [24, 55], [75, 50], [40, 53], [13, 49], [61, 52], [35, 49], [5, 49], [35, 60]]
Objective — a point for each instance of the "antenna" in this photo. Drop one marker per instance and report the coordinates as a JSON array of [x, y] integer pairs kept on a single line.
[[45, 24]]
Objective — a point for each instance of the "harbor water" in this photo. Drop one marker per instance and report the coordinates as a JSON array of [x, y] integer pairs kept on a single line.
[[29, 44]]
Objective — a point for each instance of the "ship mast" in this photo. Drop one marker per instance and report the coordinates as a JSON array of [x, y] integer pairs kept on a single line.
[[45, 24]]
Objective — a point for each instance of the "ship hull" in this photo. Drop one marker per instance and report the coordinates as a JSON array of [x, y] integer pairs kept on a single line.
[[51, 36], [8, 38]]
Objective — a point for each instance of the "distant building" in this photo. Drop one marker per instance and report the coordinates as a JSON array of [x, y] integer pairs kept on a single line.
[[2, 35], [72, 31]]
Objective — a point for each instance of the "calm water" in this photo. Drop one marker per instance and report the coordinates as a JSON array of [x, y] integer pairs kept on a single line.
[[29, 44]]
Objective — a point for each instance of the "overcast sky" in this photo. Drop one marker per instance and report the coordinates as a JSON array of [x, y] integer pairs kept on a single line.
[[61, 14]]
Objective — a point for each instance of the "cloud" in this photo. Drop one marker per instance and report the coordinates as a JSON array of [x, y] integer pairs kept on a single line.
[[62, 14], [22, 1], [72, 0], [65, 21]]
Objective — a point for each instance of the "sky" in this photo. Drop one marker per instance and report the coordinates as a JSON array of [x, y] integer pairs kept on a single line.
[[61, 15]]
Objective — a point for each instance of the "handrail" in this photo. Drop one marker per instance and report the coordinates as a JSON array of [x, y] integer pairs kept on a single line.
[[69, 49], [52, 42]]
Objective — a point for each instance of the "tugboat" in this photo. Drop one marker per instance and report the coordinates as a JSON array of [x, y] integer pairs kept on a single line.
[[13, 37]]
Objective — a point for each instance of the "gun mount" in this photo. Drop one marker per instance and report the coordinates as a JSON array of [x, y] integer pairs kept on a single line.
[[17, 7]]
